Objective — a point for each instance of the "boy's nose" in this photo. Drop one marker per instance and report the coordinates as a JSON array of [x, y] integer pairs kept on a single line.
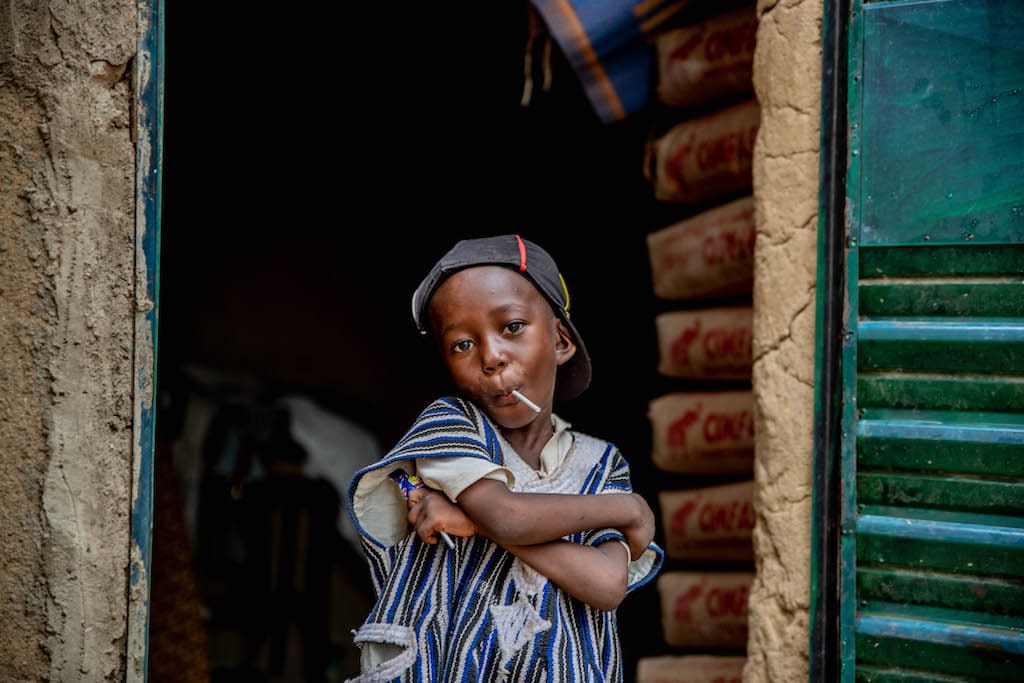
[[494, 366], [493, 357]]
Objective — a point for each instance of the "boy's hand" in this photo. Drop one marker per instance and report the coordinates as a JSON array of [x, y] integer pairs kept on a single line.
[[431, 512], [640, 534]]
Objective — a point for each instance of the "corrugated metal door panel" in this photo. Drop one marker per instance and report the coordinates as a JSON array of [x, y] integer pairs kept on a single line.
[[939, 473], [932, 532]]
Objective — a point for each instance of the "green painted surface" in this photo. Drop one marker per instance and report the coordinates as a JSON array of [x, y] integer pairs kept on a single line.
[[1011, 423], [967, 354], [881, 674], [939, 554], [932, 527], [985, 665], [993, 595], [922, 523], [943, 615], [848, 473], [952, 492], [976, 259], [848, 418], [943, 123], [966, 297], [927, 455], [941, 392]]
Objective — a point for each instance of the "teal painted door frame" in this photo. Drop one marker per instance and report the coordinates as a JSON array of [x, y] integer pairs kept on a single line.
[[148, 88], [829, 303]]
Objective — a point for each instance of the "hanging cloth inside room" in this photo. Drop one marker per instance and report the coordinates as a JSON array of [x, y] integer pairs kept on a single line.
[[608, 45]]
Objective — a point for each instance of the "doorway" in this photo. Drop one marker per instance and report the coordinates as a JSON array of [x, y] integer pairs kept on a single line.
[[315, 166]]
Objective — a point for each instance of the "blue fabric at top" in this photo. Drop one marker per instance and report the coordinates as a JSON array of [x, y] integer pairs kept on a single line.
[[608, 45]]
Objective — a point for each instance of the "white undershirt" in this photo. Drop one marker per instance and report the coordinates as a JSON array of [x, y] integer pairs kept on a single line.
[[453, 475]]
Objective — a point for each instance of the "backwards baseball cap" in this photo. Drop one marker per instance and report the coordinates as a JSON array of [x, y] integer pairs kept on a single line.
[[533, 263]]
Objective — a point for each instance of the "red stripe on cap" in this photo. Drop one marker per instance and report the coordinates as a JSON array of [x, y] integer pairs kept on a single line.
[[522, 254]]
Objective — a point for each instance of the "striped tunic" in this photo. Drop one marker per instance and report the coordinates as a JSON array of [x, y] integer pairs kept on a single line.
[[476, 612]]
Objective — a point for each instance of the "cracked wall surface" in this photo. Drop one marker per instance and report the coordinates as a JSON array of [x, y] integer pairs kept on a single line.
[[66, 316], [787, 82]]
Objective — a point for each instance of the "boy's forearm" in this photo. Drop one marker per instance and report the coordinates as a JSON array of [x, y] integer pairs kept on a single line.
[[596, 576], [530, 518]]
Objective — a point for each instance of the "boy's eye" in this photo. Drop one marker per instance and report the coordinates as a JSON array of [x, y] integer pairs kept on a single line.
[[461, 346], [515, 326]]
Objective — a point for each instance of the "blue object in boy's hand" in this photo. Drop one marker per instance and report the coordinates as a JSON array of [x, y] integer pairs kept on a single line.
[[407, 483]]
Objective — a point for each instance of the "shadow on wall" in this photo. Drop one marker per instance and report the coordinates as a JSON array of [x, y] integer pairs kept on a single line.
[[257, 570]]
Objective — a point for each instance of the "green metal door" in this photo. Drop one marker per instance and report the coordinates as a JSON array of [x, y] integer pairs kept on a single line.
[[931, 506]]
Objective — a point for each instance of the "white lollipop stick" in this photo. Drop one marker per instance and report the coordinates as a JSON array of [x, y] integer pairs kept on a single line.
[[533, 406]]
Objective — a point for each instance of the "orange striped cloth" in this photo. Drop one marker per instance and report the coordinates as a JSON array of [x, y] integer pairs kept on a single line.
[[608, 45]]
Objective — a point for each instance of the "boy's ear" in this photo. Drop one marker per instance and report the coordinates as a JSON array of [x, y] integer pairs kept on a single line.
[[565, 347]]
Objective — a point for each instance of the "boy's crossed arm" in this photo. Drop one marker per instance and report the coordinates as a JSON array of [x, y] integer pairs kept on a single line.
[[595, 575], [513, 518], [531, 526]]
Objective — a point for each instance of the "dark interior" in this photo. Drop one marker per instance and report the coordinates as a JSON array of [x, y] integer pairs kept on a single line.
[[317, 162]]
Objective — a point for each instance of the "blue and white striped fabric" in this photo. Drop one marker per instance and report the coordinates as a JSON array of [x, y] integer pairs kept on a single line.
[[609, 46], [476, 613]]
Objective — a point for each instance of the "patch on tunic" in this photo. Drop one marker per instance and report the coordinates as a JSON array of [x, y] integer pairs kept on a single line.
[[528, 581]]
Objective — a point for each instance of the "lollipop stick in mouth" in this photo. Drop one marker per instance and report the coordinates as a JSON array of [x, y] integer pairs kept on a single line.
[[530, 404]]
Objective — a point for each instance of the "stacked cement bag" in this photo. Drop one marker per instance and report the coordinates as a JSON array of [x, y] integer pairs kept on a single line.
[[710, 523], [703, 432], [707, 343], [709, 60], [705, 609], [690, 669], [704, 72], [702, 424], [710, 254], [705, 158]]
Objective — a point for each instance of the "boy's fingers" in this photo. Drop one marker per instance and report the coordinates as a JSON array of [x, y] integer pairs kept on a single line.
[[418, 518], [420, 521], [426, 534]]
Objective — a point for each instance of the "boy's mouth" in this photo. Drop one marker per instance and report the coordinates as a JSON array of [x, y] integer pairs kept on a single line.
[[509, 395], [504, 397]]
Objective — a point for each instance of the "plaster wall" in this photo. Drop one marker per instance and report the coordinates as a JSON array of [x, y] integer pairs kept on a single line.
[[787, 83], [67, 187]]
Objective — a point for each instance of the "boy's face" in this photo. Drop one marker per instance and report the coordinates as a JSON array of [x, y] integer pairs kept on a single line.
[[496, 332]]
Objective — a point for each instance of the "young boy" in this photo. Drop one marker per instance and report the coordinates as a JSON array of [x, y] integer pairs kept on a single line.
[[529, 588]]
